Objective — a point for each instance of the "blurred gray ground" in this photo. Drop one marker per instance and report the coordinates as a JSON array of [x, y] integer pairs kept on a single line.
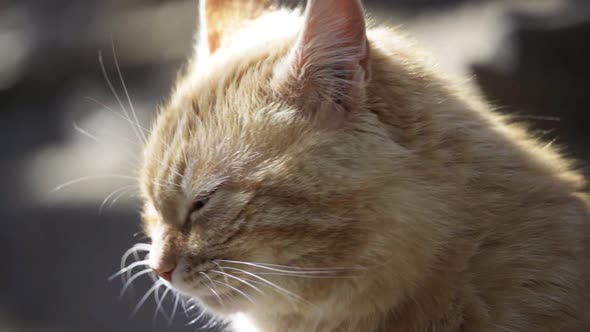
[[531, 58]]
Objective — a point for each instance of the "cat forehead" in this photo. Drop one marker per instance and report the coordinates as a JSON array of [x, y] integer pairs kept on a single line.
[[217, 95]]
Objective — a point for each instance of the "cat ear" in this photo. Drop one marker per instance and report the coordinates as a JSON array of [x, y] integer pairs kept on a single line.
[[331, 54], [219, 18]]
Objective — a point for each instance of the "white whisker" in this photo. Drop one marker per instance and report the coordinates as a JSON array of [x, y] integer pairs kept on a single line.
[[174, 308], [294, 269], [274, 286], [116, 95], [196, 319], [159, 307], [183, 304], [214, 291], [110, 109], [157, 299], [97, 140], [146, 296], [237, 290], [212, 322], [126, 90], [299, 272], [128, 274], [86, 133], [135, 276], [93, 177], [189, 309], [240, 280], [133, 251], [128, 268], [114, 192], [119, 196]]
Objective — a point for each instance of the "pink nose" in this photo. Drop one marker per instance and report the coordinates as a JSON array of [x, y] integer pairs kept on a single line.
[[164, 271]]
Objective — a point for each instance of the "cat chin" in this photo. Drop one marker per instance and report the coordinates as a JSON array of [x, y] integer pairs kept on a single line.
[[230, 303], [225, 309]]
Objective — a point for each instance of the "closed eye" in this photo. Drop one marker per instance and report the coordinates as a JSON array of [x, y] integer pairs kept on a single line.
[[199, 204]]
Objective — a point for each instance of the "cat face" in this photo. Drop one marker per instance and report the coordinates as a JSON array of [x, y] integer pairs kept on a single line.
[[257, 174]]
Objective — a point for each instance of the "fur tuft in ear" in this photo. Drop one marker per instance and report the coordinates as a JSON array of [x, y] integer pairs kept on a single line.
[[220, 18], [331, 54]]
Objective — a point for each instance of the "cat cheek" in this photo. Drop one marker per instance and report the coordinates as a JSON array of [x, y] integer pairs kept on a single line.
[[180, 277], [198, 230]]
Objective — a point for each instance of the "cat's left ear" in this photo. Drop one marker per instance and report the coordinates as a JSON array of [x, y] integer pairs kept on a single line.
[[330, 58], [220, 18]]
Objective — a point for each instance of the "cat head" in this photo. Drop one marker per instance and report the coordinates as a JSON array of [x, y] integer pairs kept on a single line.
[[262, 169]]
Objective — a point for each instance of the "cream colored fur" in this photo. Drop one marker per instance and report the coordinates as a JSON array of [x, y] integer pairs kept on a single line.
[[446, 216]]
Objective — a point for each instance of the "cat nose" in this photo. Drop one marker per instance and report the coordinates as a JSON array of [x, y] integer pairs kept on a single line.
[[164, 271]]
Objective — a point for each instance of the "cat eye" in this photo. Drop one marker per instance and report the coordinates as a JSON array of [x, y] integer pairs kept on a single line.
[[199, 204]]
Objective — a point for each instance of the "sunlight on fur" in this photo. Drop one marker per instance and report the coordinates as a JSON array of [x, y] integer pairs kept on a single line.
[[308, 174]]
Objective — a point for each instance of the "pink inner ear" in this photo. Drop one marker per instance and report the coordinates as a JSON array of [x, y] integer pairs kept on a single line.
[[332, 50], [327, 68], [342, 21]]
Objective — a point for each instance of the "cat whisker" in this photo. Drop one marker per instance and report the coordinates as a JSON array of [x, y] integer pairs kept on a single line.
[[116, 95], [113, 193], [183, 302], [133, 251], [212, 323], [93, 177], [240, 280], [97, 140], [221, 268], [214, 291], [110, 109], [154, 288], [309, 276], [126, 90], [197, 318], [135, 276], [187, 301], [292, 269], [287, 295], [121, 194], [127, 140], [272, 285], [86, 133], [140, 235], [128, 268], [159, 301], [174, 308], [130, 272], [549, 145], [237, 290]]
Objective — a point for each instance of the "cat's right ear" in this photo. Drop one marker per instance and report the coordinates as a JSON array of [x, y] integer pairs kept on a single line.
[[330, 58], [220, 18]]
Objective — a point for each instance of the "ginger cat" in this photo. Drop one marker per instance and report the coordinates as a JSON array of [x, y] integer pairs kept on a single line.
[[308, 174]]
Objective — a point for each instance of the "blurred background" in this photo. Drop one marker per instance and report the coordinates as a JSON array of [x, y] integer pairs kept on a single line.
[[58, 124]]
